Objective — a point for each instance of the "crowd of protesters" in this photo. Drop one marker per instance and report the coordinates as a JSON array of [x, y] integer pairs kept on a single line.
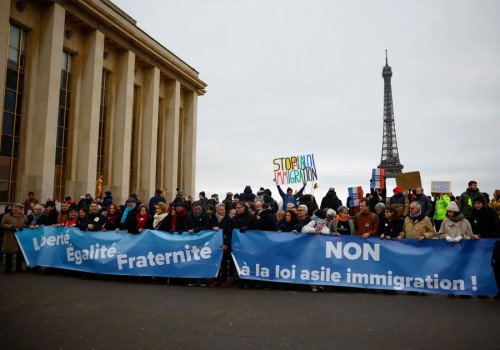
[[406, 214]]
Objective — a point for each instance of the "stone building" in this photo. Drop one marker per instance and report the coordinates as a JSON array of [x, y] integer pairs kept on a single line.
[[91, 103]]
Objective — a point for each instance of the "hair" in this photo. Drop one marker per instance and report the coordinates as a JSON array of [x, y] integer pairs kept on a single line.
[[30, 192], [417, 204], [363, 201], [209, 207], [217, 206], [392, 209], [380, 206], [293, 216], [320, 213], [472, 182], [38, 206], [280, 214], [195, 203], [162, 205], [342, 208]]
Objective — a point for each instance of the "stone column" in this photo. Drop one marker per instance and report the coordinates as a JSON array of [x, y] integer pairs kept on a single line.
[[171, 137], [86, 129], [149, 131], [189, 146], [122, 126], [41, 123], [4, 43]]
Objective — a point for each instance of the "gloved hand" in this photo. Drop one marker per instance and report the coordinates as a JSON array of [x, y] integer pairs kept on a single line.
[[449, 239], [457, 239]]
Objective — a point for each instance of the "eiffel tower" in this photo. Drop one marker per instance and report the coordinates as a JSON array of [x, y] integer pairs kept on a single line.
[[390, 155]]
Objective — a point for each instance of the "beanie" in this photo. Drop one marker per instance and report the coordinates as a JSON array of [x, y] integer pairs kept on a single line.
[[452, 207]]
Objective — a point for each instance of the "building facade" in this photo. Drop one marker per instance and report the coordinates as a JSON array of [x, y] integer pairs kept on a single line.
[[91, 103]]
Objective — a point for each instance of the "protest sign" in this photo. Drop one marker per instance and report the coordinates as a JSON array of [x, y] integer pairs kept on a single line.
[[432, 266], [295, 169], [410, 180], [151, 253], [378, 178], [441, 187], [355, 195]]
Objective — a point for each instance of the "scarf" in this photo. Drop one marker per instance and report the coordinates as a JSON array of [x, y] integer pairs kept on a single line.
[[219, 217], [417, 216], [340, 219], [457, 218], [158, 218], [125, 213]]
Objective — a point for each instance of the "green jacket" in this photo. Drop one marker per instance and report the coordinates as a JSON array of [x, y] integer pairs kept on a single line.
[[440, 207]]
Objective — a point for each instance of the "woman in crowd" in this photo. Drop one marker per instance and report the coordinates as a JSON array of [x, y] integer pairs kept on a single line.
[[317, 224], [81, 221], [128, 221], [243, 220], [484, 219], [455, 227], [162, 221], [112, 218], [179, 218], [343, 224], [290, 224], [35, 216], [390, 225], [142, 218]]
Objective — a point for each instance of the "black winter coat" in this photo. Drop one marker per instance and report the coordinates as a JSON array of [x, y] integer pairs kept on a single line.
[[266, 221]]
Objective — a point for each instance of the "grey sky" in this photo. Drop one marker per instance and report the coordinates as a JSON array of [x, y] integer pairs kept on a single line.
[[296, 77]]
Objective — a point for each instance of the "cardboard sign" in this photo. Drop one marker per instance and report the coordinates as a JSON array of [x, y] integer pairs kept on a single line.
[[295, 169], [410, 180], [441, 187]]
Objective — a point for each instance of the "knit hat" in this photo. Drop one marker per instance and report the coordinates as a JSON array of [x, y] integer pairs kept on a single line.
[[452, 207], [480, 198], [131, 199], [398, 190]]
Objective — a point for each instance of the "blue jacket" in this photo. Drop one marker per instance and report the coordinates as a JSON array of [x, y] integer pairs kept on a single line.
[[290, 198]]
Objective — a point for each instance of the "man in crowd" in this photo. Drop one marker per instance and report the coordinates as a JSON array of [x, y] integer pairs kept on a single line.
[[365, 222], [400, 202], [29, 203], [12, 222], [303, 215], [425, 202], [466, 200], [417, 225], [157, 198], [197, 220], [289, 197], [95, 220]]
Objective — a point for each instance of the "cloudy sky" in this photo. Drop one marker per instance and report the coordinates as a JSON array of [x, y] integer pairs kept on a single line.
[[294, 77]]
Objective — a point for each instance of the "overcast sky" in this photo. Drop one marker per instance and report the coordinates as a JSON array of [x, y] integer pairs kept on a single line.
[[294, 77]]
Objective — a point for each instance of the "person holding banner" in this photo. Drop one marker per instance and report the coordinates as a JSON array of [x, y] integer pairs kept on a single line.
[[290, 223], [417, 225], [223, 224], [365, 222], [12, 222], [289, 197], [390, 225], [455, 227], [128, 222], [343, 224], [317, 224]]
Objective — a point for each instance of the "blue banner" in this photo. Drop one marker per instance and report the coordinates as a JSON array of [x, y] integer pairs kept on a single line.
[[432, 266], [151, 253]]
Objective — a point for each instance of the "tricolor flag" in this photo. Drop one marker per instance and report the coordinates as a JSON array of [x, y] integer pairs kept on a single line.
[[378, 178], [355, 195]]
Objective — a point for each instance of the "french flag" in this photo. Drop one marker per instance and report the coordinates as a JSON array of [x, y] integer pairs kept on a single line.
[[355, 195], [378, 178]]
